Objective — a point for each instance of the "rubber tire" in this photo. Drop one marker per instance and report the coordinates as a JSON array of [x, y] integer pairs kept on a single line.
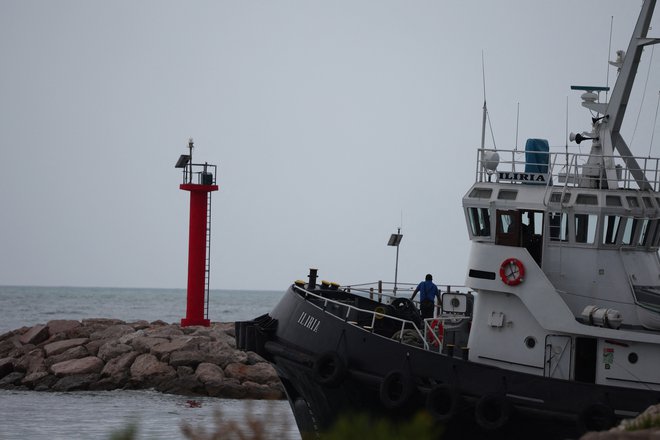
[[442, 402], [396, 389], [492, 411], [329, 369], [403, 305], [596, 417]]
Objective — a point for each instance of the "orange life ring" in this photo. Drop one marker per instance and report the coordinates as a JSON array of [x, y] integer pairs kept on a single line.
[[512, 272], [435, 333]]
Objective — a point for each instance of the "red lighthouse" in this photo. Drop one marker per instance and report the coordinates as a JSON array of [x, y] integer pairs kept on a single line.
[[199, 180]]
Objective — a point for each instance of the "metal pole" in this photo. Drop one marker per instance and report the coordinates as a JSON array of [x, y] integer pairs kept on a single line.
[[396, 268]]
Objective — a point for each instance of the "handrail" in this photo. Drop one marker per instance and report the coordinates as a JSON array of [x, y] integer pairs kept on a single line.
[[375, 315], [578, 170]]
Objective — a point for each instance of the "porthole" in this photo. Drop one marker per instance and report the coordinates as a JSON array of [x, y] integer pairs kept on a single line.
[[632, 358], [530, 341]]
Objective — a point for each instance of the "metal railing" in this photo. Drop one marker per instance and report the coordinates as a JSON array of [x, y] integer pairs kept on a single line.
[[379, 290], [429, 329], [200, 174], [568, 169]]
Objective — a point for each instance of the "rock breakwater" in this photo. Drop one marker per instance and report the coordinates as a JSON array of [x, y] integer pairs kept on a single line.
[[107, 354]]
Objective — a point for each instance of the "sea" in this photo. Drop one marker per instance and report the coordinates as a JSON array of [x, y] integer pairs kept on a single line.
[[108, 414]]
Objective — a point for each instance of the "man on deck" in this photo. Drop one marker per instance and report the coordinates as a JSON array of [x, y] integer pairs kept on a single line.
[[428, 292]]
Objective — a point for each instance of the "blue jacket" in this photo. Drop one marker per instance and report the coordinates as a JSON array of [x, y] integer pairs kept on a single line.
[[427, 291]]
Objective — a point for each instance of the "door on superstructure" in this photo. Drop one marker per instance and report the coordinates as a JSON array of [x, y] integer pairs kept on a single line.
[[522, 228], [508, 228], [557, 363]]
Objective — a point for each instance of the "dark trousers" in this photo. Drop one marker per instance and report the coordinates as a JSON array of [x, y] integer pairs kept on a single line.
[[426, 309]]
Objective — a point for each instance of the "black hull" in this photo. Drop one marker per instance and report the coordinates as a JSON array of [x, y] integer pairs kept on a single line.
[[330, 366]]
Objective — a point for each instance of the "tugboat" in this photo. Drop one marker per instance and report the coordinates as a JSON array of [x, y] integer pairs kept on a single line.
[[560, 316]]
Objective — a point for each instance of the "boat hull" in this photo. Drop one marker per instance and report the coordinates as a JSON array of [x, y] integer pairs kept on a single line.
[[331, 366]]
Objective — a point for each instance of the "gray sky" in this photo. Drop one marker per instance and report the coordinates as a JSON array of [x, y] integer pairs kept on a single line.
[[330, 122]]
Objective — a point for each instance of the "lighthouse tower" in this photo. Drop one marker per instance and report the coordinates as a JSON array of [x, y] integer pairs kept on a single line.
[[199, 180]]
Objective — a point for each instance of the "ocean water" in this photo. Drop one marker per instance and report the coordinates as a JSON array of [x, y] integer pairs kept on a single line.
[[96, 415]]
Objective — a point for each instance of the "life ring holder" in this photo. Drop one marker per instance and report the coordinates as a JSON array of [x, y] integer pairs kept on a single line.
[[512, 272]]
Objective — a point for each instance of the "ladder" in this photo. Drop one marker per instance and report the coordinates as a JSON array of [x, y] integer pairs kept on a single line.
[[207, 267]]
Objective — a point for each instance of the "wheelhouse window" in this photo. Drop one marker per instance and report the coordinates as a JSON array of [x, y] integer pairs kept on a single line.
[[558, 226], [643, 232], [611, 226], [585, 228], [479, 221], [481, 193], [629, 230]]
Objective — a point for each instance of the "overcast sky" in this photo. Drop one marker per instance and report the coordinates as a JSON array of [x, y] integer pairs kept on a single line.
[[332, 122]]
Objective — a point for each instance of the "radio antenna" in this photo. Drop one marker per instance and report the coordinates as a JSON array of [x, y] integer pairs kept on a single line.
[[609, 53], [485, 109]]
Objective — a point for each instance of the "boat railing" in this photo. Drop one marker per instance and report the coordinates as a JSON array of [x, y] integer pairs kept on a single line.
[[384, 291], [430, 336], [562, 168]]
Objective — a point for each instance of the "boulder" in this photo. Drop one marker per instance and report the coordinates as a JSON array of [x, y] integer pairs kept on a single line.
[[105, 322], [8, 345], [118, 366], [44, 383], [190, 358], [209, 373], [261, 373], [86, 365], [128, 338], [148, 369], [261, 392], [230, 389], [32, 378], [254, 358], [230, 356], [72, 353], [57, 326], [31, 362], [112, 332], [139, 325], [35, 335], [11, 379], [186, 386], [144, 343], [177, 343], [165, 331], [93, 346], [76, 382], [61, 346], [6, 366], [112, 349]]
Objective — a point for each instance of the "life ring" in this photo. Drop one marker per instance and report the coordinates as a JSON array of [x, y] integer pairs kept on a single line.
[[396, 389], [492, 411], [435, 333], [512, 272], [329, 369], [442, 402], [596, 417]]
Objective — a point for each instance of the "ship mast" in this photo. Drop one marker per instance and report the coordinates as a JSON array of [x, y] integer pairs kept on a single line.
[[607, 129]]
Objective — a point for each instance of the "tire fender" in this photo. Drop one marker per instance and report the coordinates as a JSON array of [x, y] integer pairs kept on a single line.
[[492, 411], [329, 369], [396, 389], [442, 402]]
